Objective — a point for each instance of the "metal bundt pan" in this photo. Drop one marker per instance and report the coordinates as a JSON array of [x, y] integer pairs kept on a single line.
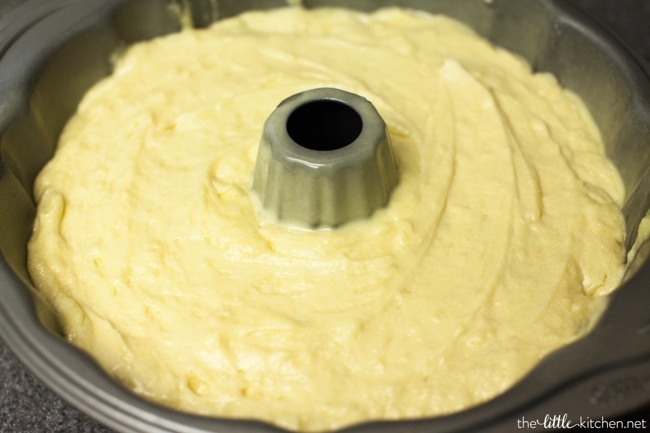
[[53, 50]]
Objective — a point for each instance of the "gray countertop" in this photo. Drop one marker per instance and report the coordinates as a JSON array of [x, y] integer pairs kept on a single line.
[[26, 405]]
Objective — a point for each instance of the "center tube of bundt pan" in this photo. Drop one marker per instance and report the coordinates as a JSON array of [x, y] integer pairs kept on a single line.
[[324, 159]]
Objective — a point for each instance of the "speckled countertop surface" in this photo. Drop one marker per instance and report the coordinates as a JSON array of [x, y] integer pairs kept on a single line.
[[26, 405]]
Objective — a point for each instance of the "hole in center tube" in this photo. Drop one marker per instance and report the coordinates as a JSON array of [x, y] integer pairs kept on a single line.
[[324, 125]]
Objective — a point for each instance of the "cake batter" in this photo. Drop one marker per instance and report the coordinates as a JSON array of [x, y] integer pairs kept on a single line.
[[496, 248]]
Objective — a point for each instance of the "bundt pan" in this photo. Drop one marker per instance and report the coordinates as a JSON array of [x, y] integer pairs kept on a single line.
[[53, 50]]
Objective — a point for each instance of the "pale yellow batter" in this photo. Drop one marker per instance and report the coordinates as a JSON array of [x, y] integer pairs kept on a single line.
[[497, 246]]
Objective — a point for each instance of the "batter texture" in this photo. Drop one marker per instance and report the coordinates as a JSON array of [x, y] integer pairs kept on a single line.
[[497, 247]]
